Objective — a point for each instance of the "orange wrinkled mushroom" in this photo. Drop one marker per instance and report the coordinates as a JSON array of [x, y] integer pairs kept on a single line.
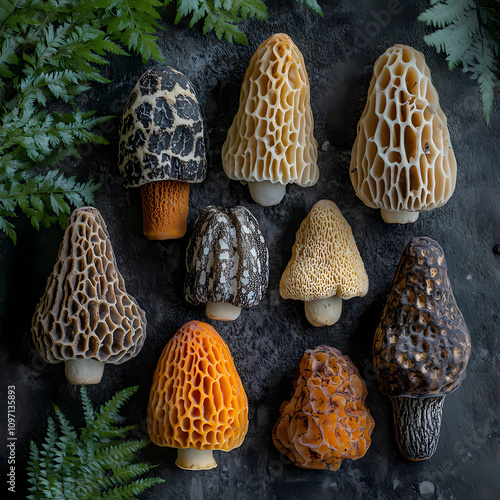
[[197, 402], [326, 420]]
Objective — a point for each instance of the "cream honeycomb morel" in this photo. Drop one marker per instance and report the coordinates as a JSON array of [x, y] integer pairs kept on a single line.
[[197, 402], [325, 267], [327, 419], [270, 142], [421, 347], [402, 159], [86, 318]]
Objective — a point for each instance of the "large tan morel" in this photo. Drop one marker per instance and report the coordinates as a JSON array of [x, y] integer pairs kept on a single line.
[[85, 312], [271, 137], [402, 158], [325, 259], [197, 399]]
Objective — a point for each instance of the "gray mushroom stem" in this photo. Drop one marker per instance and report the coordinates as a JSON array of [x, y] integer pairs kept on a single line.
[[267, 193], [222, 311], [398, 216], [417, 423], [83, 371], [323, 312], [192, 459]]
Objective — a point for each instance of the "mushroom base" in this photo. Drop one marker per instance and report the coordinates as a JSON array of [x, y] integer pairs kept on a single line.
[[266, 193], [417, 423], [222, 311], [191, 459], [323, 312], [398, 216], [165, 207], [83, 371]]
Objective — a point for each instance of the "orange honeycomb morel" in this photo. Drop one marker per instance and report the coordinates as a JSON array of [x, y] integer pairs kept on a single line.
[[162, 149], [325, 267], [421, 347], [402, 160], [197, 402], [327, 419], [270, 142], [86, 318]]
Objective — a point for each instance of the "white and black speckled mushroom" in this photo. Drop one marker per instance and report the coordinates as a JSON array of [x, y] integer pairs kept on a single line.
[[227, 262], [162, 149]]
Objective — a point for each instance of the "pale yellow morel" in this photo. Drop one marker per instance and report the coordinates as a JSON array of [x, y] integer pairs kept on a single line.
[[402, 159], [270, 142], [86, 318], [326, 267]]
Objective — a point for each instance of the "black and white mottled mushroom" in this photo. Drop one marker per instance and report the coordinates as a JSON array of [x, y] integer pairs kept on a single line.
[[162, 149], [227, 262]]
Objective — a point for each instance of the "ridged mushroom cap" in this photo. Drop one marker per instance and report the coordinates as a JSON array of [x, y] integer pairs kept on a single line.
[[197, 399], [422, 344], [86, 312], [227, 258], [402, 158], [162, 131], [326, 420], [325, 259], [271, 137]]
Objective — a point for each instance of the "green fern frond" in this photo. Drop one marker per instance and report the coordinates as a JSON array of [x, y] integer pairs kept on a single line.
[[314, 5]]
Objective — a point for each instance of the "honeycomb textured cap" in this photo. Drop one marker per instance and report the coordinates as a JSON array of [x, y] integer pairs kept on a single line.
[[402, 158], [325, 259], [271, 137], [227, 259], [197, 399], [422, 344], [326, 420], [162, 131], [86, 312]]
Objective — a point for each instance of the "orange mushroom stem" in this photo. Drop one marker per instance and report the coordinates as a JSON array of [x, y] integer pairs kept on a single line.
[[165, 206]]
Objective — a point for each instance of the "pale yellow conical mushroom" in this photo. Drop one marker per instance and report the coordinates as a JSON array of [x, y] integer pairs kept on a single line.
[[326, 267]]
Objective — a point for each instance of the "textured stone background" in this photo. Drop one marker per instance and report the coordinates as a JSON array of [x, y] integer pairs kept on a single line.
[[267, 342]]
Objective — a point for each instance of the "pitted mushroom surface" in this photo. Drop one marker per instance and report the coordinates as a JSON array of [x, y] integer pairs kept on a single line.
[[270, 142], [86, 318], [402, 160]]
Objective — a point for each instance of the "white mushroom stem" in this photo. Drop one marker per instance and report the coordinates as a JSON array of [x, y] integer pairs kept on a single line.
[[398, 216], [192, 459], [222, 311], [266, 193], [83, 371], [323, 312]]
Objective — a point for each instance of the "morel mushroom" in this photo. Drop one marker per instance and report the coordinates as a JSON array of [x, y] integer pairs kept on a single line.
[[162, 149], [327, 419], [325, 267], [227, 262], [270, 142], [197, 402], [86, 318], [402, 160], [421, 347]]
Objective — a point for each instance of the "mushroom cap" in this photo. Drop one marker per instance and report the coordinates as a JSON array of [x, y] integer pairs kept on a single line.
[[227, 259], [86, 312], [162, 131], [402, 158], [422, 345], [271, 137], [197, 399], [327, 419], [325, 259]]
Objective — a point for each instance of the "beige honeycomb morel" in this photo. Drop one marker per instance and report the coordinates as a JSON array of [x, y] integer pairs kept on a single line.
[[402, 159], [270, 142], [197, 402], [86, 318], [327, 419], [325, 267], [421, 347]]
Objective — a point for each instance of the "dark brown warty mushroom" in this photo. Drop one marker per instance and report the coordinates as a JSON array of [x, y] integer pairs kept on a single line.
[[421, 347]]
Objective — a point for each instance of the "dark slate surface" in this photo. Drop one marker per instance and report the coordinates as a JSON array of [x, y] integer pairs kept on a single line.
[[266, 343]]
